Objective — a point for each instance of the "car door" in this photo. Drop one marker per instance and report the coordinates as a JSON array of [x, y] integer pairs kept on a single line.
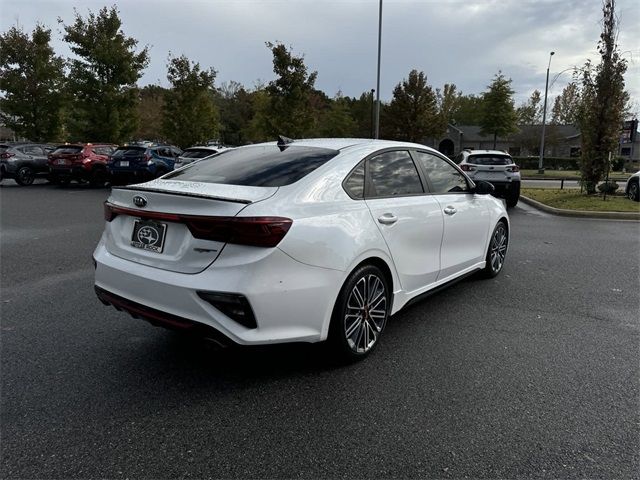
[[408, 217], [37, 156], [466, 217]]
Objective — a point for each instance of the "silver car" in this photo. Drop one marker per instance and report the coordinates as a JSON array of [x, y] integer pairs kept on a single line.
[[192, 154], [495, 167]]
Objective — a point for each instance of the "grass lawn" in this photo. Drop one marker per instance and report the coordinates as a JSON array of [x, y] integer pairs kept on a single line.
[[572, 174], [574, 200]]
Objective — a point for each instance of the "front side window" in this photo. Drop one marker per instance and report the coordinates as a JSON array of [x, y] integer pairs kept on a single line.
[[393, 174], [258, 166], [443, 176]]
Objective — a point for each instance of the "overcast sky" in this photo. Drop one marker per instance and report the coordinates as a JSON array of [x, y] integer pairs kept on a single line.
[[461, 42]]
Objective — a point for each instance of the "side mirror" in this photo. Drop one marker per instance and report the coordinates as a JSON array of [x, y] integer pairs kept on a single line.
[[484, 188]]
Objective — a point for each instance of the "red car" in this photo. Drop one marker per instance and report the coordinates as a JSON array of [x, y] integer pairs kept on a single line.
[[80, 162]]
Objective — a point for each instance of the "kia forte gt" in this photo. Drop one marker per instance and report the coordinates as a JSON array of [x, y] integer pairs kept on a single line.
[[297, 241]]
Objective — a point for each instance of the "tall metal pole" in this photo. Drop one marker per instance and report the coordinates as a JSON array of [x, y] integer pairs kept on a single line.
[[544, 118], [378, 80], [371, 117]]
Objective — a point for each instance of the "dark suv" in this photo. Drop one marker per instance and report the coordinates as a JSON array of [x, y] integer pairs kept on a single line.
[[140, 163], [81, 162], [24, 161]]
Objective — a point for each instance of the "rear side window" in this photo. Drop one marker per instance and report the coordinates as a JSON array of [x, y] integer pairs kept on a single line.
[[489, 160], [68, 149], [393, 174], [259, 166], [354, 184]]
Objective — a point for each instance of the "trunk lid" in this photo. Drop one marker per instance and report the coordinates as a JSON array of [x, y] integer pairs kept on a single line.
[[156, 233]]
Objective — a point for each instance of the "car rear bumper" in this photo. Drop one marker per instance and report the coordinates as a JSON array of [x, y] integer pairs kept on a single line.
[[75, 171], [291, 301]]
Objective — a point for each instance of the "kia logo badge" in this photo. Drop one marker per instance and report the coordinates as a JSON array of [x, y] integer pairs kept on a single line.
[[139, 201]]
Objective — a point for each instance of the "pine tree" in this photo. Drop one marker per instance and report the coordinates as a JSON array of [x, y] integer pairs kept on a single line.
[[103, 76], [498, 114], [31, 81]]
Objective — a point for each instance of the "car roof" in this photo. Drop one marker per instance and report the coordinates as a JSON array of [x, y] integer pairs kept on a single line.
[[487, 152], [348, 143]]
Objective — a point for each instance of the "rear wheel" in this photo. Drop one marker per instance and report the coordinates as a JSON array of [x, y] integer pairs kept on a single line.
[[160, 172], [497, 251], [25, 176], [513, 194], [360, 313]]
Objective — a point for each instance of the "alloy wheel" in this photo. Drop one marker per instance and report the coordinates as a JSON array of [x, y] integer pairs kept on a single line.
[[498, 248], [366, 313], [634, 191]]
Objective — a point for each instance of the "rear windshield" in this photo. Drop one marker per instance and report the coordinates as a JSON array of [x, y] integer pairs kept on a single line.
[[66, 149], [128, 151], [197, 153], [490, 160], [259, 166]]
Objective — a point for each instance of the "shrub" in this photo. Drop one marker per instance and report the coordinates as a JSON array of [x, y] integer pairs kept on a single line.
[[550, 163], [608, 187]]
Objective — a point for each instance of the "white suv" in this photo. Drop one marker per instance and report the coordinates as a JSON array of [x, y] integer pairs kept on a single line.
[[495, 167]]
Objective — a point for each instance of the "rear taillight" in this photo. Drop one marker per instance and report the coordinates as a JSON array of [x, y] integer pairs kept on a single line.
[[467, 168], [513, 168], [148, 158], [6, 155], [253, 231]]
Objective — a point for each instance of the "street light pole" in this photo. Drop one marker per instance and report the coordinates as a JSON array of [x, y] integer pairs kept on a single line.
[[373, 90], [377, 135], [544, 118]]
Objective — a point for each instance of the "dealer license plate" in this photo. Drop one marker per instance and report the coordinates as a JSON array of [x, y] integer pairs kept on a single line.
[[149, 235], [124, 164]]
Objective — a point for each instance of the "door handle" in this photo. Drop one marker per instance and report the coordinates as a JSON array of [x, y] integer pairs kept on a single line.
[[450, 210], [387, 219]]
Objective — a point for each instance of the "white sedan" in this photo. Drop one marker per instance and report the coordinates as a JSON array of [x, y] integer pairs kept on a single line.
[[297, 241]]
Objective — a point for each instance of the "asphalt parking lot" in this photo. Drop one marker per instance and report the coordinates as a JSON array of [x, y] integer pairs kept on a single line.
[[532, 374]]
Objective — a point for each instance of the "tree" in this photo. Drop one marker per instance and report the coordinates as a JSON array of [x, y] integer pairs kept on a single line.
[[530, 112], [412, 114], [566, 106], [102, 80], [362, 112], [448, 100], [150, 112], [603, 103], [31, 81], [236, 109], [189, 113], [468, 110], [498, 114], [336, 121], [289, 111]]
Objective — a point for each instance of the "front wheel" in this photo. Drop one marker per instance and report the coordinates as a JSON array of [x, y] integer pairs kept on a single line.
[[98, 178], [360, 313], [24, 176], [497, 251], [634, 191]]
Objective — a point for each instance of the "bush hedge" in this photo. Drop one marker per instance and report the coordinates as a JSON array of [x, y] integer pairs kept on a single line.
[[550, 163]]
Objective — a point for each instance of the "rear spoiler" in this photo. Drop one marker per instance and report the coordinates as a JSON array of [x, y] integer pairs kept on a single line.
[[184, 194]]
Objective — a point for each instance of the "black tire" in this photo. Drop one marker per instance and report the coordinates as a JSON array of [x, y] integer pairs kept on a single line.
[[355, 330], [98, 178], [634, 191], [497, 251], [25, 176], [513, 195], [63, 181]]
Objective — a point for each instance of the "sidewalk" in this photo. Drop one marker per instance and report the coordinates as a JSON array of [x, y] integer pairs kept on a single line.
[[580, 213]]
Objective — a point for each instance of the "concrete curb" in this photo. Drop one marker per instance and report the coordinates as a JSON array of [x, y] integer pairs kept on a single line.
[[580, 213]]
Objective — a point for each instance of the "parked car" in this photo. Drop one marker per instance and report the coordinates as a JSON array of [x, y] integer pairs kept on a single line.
[[495, 167], [80, 162], [632, 188], [139, 163], [24, 162], [192, 154], [299, 241]]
